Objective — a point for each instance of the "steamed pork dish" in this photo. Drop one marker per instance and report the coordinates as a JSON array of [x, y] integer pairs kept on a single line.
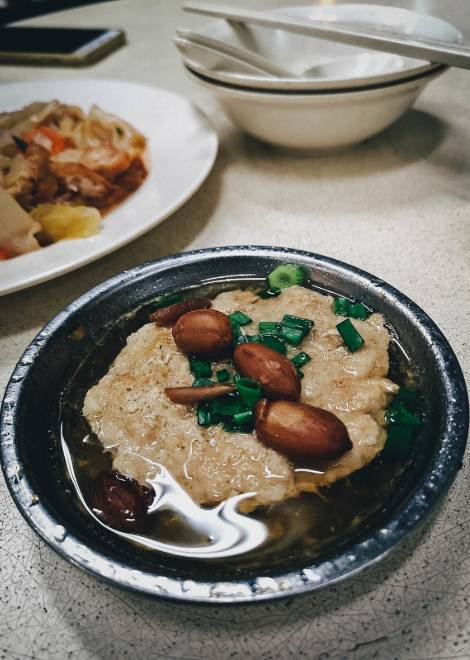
[[65, 168], [273, 392]]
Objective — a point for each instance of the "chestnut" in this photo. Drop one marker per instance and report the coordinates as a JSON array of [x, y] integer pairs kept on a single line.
[[204, 332], [300, 430], [276, 373]]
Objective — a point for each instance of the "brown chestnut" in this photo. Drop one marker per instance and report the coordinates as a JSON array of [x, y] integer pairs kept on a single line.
[[120, 501], [277, 374], [204, 332], [167, 316], [301, 430]]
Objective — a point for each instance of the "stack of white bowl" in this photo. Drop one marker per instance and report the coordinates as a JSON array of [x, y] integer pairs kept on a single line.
[[335, 95]]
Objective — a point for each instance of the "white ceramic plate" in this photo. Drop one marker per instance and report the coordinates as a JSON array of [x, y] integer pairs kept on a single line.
[[337, 66], [182, 149]]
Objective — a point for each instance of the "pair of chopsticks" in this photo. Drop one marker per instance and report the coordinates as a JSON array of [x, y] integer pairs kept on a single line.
[[375, 39]]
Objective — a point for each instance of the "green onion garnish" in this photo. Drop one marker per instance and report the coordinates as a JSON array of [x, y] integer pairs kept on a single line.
[[300, 374], [273, 343], [399, 441], [344, 307], [200, 368], [239, 318], [398, 414], [408, 397], [341, 306], [166, 299], [203, 382], [254, 339], [286, 275], [244, 417], [292, 336], [350, 335], [269, 327], [206, 415], [300, 359], [233, 427], [223, 375], [227, 406], [269, 293], [249, 391], [359, 311], [297, 322]]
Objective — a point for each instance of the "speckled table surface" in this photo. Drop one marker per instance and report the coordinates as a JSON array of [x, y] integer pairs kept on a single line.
[[397, 206]]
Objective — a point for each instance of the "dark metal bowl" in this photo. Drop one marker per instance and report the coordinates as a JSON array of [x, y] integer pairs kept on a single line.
[[34, 470]]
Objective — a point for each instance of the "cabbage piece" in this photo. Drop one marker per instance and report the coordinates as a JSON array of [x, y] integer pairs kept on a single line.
[[17, 228]]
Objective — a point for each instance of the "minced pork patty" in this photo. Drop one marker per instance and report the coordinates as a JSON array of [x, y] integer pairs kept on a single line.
[[132, 417]]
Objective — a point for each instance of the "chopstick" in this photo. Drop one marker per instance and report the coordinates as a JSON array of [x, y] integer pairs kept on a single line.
[[384, 40]]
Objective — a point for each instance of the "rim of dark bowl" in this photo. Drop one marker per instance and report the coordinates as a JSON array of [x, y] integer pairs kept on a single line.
[[356, 557]]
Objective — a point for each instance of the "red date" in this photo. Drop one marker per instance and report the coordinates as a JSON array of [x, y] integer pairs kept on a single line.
[[120, 501]]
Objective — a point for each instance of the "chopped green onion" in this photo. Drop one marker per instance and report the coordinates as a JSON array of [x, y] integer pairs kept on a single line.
[[166, 299], [232, 427], [202, 382], [399, 441], [300, 374], [286, 275], [269, 327], [300, 359], [293, 336], [297, 322], [239, 318], [206, 415], [344, 307], [222, 375], [273, 292], [408, 397], [243, 417], [350, 335], [359, 311], [254, 339], [341, 306], [227, 406], [200, 368], [273, 343], [249, 391], [398, 414]]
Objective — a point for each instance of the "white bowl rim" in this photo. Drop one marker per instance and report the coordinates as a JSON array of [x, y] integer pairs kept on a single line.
[[286, 96], [294, 84]]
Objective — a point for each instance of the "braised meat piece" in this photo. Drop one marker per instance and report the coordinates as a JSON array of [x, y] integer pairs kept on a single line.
[[81, 184]]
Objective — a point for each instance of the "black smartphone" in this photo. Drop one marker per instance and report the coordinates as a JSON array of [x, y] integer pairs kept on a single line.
[[56, 45]]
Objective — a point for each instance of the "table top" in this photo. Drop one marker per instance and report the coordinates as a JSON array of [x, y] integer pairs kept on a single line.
[[397, 206]]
